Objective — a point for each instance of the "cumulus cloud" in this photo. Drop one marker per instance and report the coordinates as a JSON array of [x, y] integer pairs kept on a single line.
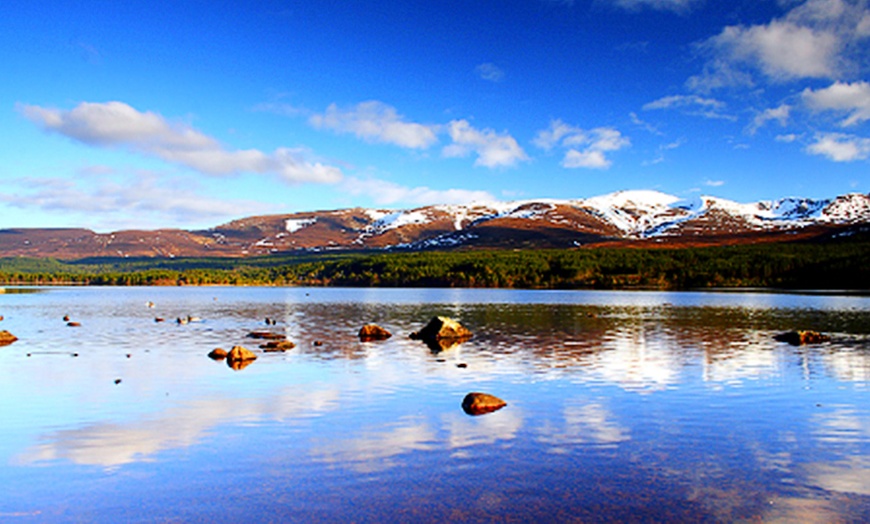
[[850, 98], [384, 192], [116, 124], [815, 39], [375, 121], [492, 149], [490, 72], [776, 114], [585, 149], [840, 147]]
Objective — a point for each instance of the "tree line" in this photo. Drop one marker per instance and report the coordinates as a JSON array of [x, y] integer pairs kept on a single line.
[[838, 265]]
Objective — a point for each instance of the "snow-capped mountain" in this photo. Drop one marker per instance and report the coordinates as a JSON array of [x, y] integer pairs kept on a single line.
[[634, 217]]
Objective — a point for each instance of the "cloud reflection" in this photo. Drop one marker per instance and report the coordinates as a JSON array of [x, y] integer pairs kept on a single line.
[[114, 444], [583, 423]]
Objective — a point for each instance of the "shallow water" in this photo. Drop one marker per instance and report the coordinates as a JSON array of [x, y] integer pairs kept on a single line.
[[622, 406]]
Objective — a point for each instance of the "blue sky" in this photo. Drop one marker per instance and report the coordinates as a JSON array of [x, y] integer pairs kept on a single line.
[[118, 115]]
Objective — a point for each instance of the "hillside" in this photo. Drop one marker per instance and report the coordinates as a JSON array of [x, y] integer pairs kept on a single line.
[[629, 218]]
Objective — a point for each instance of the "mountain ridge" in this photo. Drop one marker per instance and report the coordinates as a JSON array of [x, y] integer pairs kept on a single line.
[[625, 218]]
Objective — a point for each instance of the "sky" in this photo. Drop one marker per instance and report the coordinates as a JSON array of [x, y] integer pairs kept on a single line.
[[188, 114]]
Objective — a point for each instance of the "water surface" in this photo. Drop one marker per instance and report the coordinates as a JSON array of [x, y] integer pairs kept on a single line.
[[622, 406]]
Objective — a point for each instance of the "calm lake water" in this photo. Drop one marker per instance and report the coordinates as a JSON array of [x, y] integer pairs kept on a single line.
[[622, 406]]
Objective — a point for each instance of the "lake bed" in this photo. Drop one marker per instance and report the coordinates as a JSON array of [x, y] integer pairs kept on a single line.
[[621, 406]]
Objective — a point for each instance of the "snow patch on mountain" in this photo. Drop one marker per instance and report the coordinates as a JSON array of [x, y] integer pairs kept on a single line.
[[293, 225], [635, 212]]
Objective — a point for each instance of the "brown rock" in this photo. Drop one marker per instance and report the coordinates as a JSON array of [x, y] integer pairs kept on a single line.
[[239, 358], [7, 338], [274, 346], [373, 332], [481, 403], [238, 353], [73, 324], [799, 338], [217, 354], [442, 328], [266, 335]]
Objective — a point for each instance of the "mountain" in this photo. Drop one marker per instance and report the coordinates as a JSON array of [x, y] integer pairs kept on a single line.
[[628, 218]]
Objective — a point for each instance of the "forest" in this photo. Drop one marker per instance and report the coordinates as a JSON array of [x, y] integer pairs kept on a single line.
[[838, 264]]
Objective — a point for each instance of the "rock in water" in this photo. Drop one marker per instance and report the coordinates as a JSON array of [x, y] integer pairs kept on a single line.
[[481, 403], [266, 335], [799, 338], [442, 328], [277, 345], [217, 354], [7, 338], [373, 332], [239, 358]]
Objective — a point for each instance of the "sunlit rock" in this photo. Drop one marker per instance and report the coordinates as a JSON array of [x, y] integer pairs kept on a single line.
[[239, 358], [799, 338], [217, 354], [481, 403], [7, 338], [274, 346], [373, 332], [74, 324], [442, 328]]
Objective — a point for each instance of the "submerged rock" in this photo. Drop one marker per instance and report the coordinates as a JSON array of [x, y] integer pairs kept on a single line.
[[373, 332], [7, 338], [217, 354], [481, 403], [799, 338], [277, 345], [266, 335], [442, 328]]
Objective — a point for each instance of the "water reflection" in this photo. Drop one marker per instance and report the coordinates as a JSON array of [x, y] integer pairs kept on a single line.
[[670, 406], [112, 444]]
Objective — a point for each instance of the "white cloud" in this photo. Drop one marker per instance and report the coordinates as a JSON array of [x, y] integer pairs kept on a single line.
[[375, 121], [116, 124], [384, 192], [714, 183], [492, 149], [815, 39], [693, 105], [840, 147], [677, 6], [489, 71], [778, 114], [140, 199], [850, 98], [585, 149]]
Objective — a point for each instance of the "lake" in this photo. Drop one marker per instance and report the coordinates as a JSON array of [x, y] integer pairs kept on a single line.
[[621, 406]]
